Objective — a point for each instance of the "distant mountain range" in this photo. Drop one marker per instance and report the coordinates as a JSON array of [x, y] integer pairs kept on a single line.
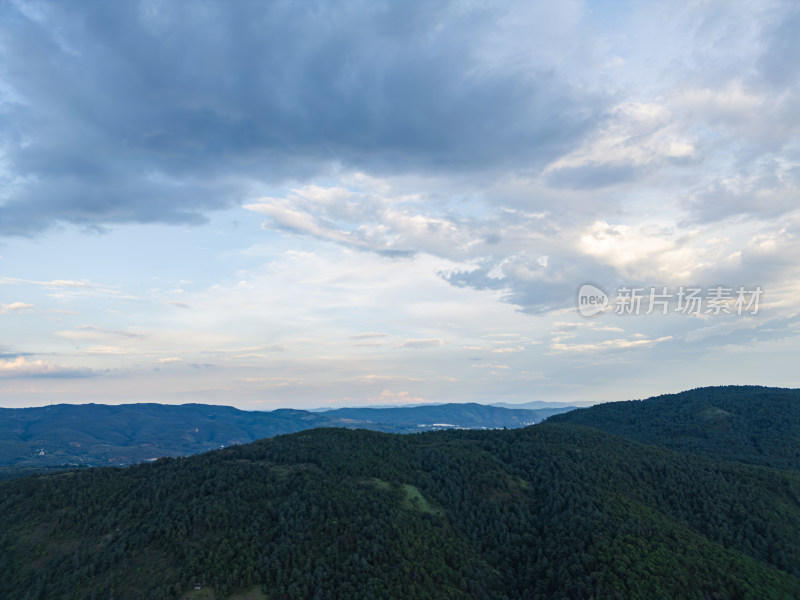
[[538, 404], [98, 434]]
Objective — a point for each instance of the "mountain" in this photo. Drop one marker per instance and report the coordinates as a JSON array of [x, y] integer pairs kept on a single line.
[[750, 424], [97, 434], [536, 405], [465, 416], [554, 511]]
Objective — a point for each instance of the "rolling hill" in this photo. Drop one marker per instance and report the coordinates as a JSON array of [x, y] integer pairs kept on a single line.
[[751, 424]]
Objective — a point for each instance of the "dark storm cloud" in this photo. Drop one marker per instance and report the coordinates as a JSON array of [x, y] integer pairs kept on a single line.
[[158, 112]]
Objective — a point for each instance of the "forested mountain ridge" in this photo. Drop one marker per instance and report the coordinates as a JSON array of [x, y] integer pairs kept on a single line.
[[99, 434], [551, 511], [751, 424]]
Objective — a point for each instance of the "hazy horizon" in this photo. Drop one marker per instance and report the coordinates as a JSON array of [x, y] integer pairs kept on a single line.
[[309, 406]]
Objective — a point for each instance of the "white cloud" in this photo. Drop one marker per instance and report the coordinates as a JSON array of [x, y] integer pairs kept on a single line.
[[609, 345], [14, 307], [730, 104], [63, 288], [110, 350], [21, 367], [90, 332], [636, 134], [489, 366], [371, 216], [661, 254], [368, 335], [423, 343]]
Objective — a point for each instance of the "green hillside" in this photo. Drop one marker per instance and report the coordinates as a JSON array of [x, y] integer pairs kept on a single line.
[[751, 424], [550, 511]]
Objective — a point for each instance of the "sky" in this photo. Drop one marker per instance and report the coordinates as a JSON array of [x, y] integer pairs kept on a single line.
[[316, 204]]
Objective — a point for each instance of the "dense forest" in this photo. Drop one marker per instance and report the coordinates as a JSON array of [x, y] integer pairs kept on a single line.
[[550, 511], [751, 424]]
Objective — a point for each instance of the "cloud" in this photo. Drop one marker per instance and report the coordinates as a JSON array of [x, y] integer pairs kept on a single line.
[[90, 332], [432, 132], [66, 287], [422, 343], [526, 280], [14, 307], [369, 339], [765, 189], [180, 108], [490, 366], [371, 215], [525, 254], [6, 353], [55, 283], [109, 350], [644, 252], [609, 345], [401, 398], [635, 137], [170, 359], [779, 63], [21, 367], [436, 171], [249, 352]]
